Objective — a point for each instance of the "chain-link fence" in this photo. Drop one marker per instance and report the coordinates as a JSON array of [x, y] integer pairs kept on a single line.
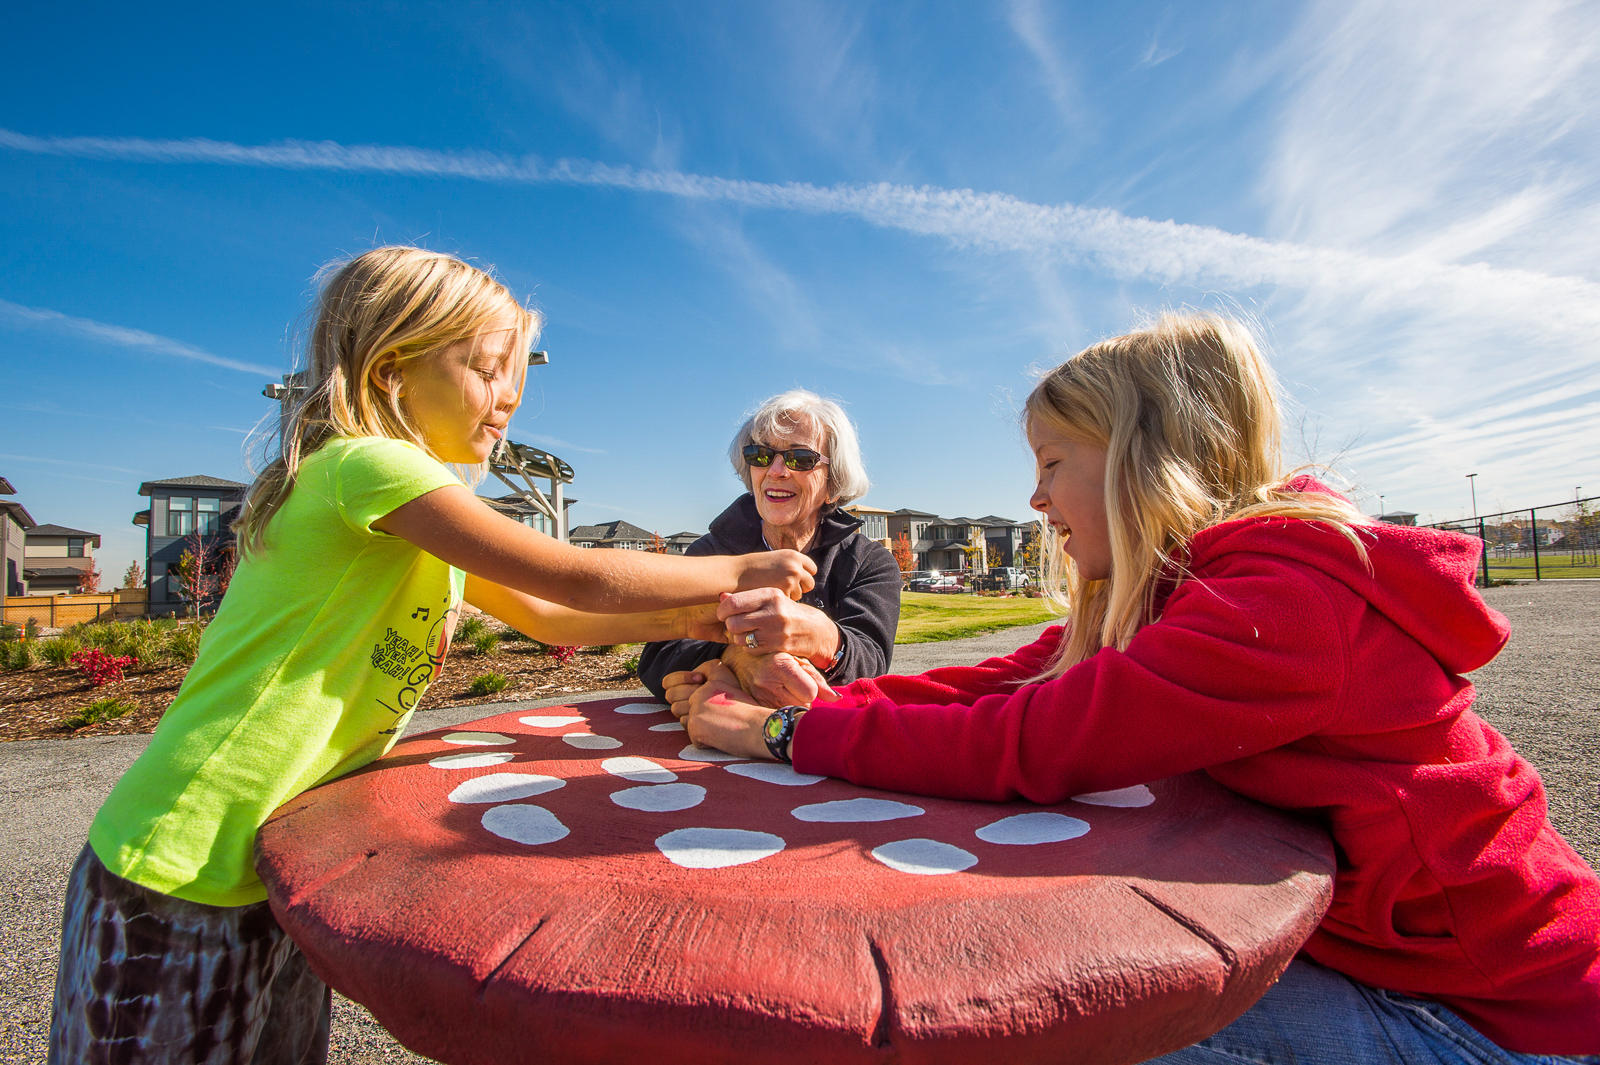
[[1560, 542]]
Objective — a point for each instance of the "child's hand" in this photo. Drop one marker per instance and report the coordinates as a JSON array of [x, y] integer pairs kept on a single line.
[[680, 687], [777, 679], [790, 572], [701, 623], [721, 715]]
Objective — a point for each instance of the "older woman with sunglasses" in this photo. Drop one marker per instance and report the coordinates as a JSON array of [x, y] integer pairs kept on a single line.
[[798, 456]]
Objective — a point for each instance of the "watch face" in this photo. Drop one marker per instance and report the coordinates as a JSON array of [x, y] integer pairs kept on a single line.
[[774, 725]]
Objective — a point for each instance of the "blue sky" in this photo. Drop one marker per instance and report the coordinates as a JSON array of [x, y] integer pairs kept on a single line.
[[908, 207]]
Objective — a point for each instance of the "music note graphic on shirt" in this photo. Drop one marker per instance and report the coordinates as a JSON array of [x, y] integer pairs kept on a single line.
[[421, 610]]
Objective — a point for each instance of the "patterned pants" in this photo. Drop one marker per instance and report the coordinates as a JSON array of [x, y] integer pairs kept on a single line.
[[146, 978]]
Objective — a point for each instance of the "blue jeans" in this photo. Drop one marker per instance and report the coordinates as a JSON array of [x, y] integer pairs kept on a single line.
[[1315, 1016]]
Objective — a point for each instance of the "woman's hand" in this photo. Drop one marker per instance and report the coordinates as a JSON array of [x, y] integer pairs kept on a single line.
[[788, 572], [779, 624], [719, 713], [776, 680]]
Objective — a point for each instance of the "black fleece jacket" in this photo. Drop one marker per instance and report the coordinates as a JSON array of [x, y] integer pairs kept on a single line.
[[858, 586]]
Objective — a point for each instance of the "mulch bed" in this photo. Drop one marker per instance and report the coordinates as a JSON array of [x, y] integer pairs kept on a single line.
[[34, 701]]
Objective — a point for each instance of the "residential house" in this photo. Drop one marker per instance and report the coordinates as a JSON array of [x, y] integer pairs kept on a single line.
[[874, 521], [14, 525], [678, 543], [941, 543], [518, 509], [181, 507], [57, 558], [615, 534], [913, 524]]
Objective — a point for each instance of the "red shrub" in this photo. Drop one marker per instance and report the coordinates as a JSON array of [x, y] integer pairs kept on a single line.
[[99, 667], [563, 655]]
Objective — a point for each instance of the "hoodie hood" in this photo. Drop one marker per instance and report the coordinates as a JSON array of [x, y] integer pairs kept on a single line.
[[1420, 579]]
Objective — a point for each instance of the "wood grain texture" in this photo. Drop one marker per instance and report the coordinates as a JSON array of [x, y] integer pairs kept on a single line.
[[1156, 927]]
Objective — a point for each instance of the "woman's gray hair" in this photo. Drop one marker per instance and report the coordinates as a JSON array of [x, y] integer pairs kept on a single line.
[[847, 475]]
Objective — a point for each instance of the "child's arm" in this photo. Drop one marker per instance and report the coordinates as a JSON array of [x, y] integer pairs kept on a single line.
[[553, 624], [452, 524]]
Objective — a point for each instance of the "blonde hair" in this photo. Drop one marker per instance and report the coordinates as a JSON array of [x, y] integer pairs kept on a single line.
[[375, 313], [1187, 412]]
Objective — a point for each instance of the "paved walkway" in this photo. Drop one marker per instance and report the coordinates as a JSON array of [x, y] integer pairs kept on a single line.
[[1543, 692]]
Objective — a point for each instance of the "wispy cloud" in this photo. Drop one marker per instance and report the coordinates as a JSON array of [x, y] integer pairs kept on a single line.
[[1137, 249], [1029, 22], [121, 336], [68, 462]]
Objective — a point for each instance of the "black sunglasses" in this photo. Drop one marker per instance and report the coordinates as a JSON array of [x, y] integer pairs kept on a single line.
[[801, 459]]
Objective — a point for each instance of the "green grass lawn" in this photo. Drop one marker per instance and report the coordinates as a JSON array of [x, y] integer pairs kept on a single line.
[[926, 617], [1553, 566]]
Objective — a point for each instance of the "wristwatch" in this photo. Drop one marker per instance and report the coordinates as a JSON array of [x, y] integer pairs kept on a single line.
[[778, 730]]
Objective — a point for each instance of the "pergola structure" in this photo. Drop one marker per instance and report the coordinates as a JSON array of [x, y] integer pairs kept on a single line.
[[528, 463]]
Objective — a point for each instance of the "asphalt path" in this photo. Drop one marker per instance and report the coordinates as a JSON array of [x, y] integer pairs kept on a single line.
[[1543, 692]]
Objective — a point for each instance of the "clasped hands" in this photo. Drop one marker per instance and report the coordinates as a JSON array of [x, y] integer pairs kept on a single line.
[[775, 646]]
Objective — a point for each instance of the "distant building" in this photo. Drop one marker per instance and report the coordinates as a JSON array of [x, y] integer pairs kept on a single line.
[[1399, 517], [57, 558], [180, 507], [14, 525], [678, 543], [520, 510], [613, 534], [874, 521]]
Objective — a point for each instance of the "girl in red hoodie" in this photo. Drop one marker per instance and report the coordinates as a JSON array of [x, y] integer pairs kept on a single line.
[[1225, 618]]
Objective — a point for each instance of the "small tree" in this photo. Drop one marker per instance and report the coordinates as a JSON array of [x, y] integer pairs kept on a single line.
[[977, 550], [196, 572], [658, 546], [1028, 553], [902, 553], [134, 578], [89, 579]]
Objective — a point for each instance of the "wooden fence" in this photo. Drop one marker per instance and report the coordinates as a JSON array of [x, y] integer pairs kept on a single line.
[[59, 611]]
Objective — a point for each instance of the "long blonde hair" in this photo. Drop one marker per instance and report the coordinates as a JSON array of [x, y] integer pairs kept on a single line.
[[375, 313], [1187, 412]]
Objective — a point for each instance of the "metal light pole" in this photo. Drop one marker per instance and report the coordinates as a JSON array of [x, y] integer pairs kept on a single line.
[[1483, 541], [1474, 485], [1382, 507]]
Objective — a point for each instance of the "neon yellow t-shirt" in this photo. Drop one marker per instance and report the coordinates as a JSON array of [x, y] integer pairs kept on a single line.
[[323, 645]]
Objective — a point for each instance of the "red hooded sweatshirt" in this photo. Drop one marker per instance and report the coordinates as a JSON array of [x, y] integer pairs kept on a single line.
[[1296, 676]]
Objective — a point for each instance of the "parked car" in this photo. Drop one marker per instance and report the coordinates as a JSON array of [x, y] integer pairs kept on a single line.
[[948, 582]]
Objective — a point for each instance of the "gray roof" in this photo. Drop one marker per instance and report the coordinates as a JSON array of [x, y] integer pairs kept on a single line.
[[33, 573], [611, 530], [197, 480], [17, 511], [62, 530], [5, 487]]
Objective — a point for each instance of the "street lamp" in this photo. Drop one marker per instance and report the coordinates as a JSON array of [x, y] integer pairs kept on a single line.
[[1382, 508], [1474, 485]]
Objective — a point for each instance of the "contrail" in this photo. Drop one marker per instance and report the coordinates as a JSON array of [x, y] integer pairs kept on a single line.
[[1128, 248], [122, 336]]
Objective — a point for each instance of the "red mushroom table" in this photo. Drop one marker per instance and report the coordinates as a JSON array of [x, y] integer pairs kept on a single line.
[[579, 884]]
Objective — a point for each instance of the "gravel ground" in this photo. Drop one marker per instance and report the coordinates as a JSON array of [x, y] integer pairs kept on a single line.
[[1543, 692]]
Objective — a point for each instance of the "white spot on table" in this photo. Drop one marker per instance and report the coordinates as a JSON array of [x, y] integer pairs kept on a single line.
[[693, 753], [470, 761], [588, 741], [641, 708], [848, 810], [504, 787], [531, 825], [1031, 828], [477, 739], [670, 726], [642, 770], [660, 798], [538, 721], [924, 857], [1138, 795], [717, 848], [773, 773]]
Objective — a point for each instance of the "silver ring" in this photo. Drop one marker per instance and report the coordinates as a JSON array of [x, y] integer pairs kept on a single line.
[[750, 640]]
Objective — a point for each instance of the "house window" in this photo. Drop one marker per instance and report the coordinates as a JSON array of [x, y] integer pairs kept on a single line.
[[208, 516], [74, 547], [180, 516]]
